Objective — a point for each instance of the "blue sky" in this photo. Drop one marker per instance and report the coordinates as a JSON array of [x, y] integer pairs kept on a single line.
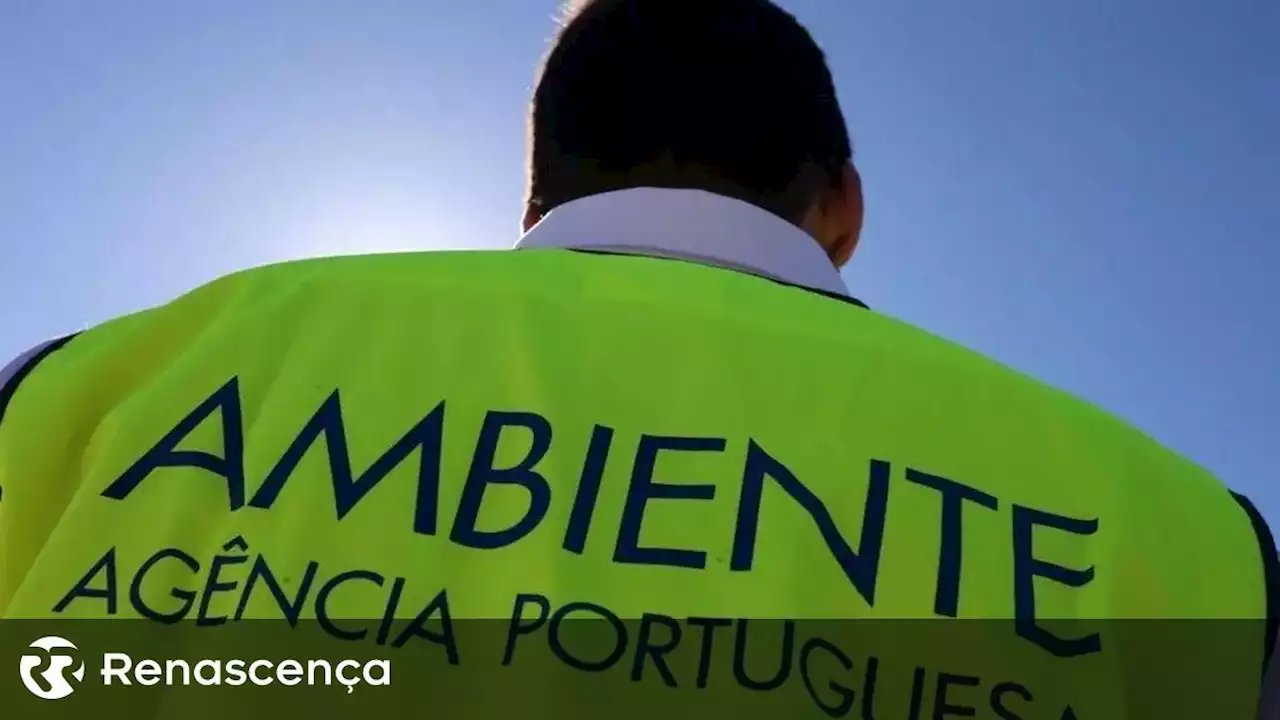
[[1088, 191]]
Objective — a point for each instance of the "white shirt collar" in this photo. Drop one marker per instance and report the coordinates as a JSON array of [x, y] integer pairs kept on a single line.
[[689, 225]]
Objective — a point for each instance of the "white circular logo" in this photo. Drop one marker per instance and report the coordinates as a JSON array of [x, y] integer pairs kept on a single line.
[[55, 685]]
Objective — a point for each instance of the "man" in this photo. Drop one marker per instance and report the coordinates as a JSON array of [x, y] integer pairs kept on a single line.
[[664, 405]]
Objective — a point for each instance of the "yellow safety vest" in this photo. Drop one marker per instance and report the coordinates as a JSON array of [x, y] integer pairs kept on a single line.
[[892, 526]]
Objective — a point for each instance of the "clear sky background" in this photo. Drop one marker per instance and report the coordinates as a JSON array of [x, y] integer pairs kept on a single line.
[[1088, 191]]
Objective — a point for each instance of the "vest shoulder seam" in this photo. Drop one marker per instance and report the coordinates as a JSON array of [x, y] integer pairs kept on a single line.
[[10, 387], [1270, 571]]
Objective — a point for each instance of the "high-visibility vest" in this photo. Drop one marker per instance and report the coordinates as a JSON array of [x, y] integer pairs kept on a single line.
[[909, 526]]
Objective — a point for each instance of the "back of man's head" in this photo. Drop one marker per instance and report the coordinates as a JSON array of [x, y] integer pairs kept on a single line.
[[729, 96]]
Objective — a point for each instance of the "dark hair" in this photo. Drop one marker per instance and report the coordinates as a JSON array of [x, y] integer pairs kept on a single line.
[[729, 96]]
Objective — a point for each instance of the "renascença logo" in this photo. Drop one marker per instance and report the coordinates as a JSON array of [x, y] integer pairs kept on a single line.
[[55, 686], [121, 669]]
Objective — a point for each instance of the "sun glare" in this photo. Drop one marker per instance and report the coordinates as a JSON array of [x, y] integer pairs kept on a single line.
[[367, 225]]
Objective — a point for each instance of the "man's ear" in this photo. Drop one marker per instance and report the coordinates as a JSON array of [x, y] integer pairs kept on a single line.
[[531, 217], [842, 210]]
